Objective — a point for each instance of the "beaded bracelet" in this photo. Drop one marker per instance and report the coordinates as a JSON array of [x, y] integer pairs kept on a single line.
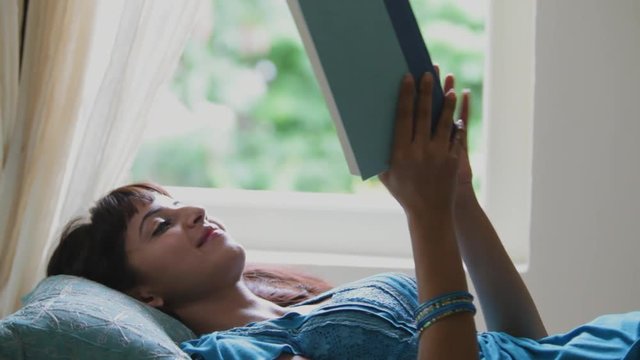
[[425, 311], [442, 299], [444, 312], [442, 306]]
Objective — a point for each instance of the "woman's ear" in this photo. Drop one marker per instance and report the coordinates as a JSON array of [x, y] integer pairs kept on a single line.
[[146, 296]]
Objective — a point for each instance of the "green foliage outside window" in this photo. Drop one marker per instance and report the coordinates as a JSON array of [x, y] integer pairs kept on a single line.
[[282, 136]]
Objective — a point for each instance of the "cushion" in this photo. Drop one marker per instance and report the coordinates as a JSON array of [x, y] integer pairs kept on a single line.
[[68, 317]]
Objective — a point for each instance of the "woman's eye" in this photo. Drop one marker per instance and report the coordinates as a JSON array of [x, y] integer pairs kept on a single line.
[[162, 227]]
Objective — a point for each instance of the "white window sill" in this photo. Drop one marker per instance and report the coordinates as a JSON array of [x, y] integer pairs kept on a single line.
[[330, 233]]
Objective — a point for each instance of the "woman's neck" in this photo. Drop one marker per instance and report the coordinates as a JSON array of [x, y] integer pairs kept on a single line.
[[227, 309]]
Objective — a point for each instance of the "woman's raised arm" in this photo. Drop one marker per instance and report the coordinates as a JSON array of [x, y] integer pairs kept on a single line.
[[422, 177], [506, 303]]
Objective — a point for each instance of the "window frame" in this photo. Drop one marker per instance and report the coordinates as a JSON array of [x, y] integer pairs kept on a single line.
[[358, 234]]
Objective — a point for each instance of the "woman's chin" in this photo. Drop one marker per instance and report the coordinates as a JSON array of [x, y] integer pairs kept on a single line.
[[236, 266]]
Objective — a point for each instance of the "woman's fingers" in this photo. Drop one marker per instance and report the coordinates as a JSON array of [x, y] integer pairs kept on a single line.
[[423, 117], [404, 117], [464, 114], [458, 140], [410, 134], [443, 132], [449, 83]]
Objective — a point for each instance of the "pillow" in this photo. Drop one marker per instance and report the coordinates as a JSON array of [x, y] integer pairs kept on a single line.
[[68, 317]]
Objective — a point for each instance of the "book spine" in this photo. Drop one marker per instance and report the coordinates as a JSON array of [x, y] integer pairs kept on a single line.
[[414, 50]]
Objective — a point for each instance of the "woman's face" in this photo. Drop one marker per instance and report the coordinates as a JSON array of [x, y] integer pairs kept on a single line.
[[179, 253]]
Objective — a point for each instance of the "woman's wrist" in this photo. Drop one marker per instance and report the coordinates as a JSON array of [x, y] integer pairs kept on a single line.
[[427, 212]]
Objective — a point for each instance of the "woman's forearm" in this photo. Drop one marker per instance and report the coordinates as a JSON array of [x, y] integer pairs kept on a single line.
[[438, 271], [422, 177], [505, 300]]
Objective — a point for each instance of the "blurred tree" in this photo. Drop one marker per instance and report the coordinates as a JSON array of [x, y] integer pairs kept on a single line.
[[253, 61]]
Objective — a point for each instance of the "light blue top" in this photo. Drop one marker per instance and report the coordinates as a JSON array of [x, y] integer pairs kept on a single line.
[[373, 319]]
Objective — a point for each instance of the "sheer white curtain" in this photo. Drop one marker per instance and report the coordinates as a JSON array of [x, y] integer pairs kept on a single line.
[[90, 70]]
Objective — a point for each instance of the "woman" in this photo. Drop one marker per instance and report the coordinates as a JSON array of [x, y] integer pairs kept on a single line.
[[175, 257]]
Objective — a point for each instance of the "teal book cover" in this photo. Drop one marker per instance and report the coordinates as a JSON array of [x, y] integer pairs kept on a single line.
[[359, 50]]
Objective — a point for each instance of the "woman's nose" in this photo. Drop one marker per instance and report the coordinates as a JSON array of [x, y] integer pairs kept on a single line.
[[195, 215]]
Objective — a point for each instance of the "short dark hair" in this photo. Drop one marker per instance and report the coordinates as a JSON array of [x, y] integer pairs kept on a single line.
[[94, 247]]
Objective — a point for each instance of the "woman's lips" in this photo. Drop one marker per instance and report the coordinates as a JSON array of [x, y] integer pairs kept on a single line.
[[210, 234]]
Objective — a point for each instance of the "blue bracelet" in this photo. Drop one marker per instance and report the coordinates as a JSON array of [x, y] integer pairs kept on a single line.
[[442, 306], [459, 306], [443, 312], [439, 307], [443, 299]]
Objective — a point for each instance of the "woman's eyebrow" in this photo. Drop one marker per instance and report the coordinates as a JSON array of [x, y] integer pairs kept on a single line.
[[146, 216], [150, 213]]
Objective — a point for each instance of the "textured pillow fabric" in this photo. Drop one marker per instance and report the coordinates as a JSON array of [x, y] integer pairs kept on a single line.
[[67, 317]]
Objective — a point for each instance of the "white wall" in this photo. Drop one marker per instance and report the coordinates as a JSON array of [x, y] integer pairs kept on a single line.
[[585, 216]]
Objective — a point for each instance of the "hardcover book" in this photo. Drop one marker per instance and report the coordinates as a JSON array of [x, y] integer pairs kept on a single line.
[[359, 50]]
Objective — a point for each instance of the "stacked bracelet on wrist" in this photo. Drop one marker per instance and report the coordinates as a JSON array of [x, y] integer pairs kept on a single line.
[[448, 304]]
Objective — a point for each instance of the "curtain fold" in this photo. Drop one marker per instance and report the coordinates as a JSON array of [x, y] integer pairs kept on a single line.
[[10, 44], [89, 73], [40, 126]]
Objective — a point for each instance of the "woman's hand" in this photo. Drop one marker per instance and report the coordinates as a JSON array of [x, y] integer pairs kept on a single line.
[[465, 174], [506, 302], [423, 178], [424, 168]]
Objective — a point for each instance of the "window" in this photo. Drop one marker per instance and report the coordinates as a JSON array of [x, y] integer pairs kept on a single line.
[[508, 138], [245, 111], [243, 129]]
